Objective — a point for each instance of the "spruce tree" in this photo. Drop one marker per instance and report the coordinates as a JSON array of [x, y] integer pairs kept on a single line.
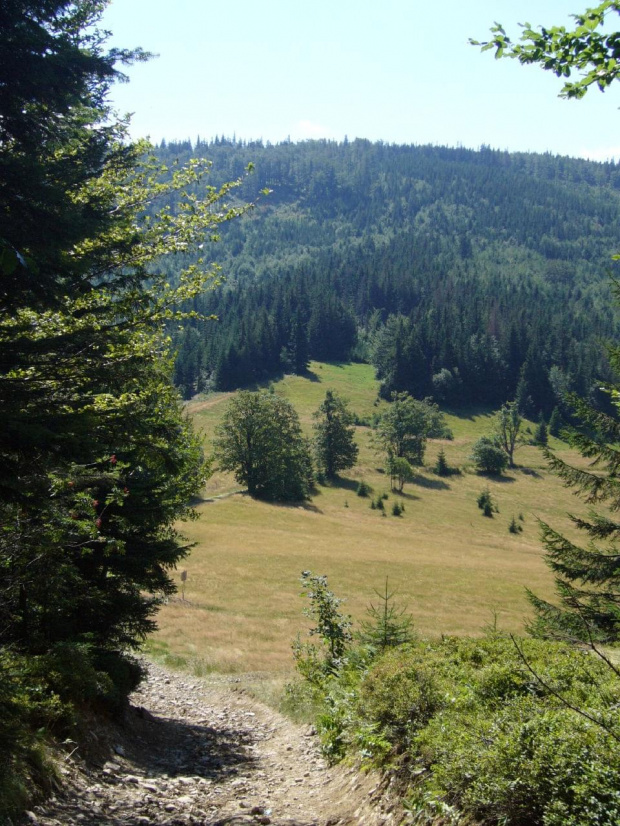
[[442, 468], [587, 574], [334, 439], [97, 461], [541, 435], [555, 422], [388, 625]]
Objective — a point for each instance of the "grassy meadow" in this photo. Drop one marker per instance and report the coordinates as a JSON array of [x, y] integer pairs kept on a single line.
[[456, 570]]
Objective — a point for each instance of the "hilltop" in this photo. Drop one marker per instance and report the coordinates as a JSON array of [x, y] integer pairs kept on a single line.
[[495, 265]]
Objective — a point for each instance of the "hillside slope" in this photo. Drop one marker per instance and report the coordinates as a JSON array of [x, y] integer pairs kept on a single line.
[[451, 566], [500, 262]]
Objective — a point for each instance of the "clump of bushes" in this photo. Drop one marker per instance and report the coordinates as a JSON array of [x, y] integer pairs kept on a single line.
[[40, 698], [397, 509], [494, 730], [377, 503]]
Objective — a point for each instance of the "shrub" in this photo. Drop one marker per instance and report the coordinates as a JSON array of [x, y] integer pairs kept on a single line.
[[400, 694], [482, 733], [396, 509], [514, 526], [488, 456], [332, 627]]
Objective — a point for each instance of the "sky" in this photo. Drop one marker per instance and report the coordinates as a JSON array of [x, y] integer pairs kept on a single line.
[[400, 71]]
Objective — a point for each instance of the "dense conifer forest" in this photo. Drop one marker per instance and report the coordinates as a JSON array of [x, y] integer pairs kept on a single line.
[[472, 276]]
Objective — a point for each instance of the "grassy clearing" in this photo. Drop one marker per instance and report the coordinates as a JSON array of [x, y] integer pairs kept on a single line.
[[453, 567]]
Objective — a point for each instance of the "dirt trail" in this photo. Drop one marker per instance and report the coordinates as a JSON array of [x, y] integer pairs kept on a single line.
[[195, 753]]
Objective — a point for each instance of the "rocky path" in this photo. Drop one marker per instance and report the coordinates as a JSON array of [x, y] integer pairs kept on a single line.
[[197, 753]]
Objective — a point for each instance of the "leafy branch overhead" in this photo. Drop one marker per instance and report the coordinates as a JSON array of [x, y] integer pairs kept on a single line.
[[588, 49]]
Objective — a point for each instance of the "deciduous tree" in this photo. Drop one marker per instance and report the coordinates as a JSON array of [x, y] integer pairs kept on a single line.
[[261, 442], [585, 50], [488, 456], [406, 425], [508, 423]]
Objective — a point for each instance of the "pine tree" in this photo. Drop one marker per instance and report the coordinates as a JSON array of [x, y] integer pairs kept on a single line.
[[334, 439], [441, 465], [388, 626]]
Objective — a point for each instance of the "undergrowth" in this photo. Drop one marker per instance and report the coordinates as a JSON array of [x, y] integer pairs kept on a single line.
[[42, 699], [495, 730]]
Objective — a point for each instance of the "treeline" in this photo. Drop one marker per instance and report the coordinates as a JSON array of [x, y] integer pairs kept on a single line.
[[466, 275]]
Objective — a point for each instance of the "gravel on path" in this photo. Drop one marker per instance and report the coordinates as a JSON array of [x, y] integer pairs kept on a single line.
[[196, 753]]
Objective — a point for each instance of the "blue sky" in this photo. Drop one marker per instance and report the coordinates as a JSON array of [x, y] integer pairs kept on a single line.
[[401, 71]]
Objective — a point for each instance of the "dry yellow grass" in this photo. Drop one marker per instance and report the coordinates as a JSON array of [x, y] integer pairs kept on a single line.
[[452, 566]]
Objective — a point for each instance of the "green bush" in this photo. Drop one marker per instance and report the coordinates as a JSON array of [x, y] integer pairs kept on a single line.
[[28, 711], [514, 526], [482, 734], [524, 765], [400, 694], [489, 457]]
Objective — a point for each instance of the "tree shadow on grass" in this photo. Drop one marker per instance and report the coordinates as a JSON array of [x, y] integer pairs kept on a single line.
[[529, 471], [343, 482], [310, 375], [410, 497], [429, 484], [306, 506], [496, 477]]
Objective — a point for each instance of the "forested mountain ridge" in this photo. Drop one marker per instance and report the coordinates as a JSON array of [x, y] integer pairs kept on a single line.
[[457, 272]]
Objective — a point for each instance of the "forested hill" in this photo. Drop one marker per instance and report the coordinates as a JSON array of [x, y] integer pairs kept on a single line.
[[468, 275]]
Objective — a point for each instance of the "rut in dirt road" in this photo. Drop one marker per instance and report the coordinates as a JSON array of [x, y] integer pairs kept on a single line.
[[195, 753]]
